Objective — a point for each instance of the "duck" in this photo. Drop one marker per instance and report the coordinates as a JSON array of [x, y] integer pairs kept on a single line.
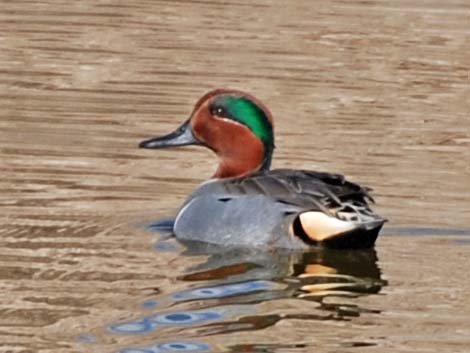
[[248, 204]]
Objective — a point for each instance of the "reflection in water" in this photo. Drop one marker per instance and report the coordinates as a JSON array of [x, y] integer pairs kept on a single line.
[[174, 346], [87, 338], [224, 291], [175, 318]]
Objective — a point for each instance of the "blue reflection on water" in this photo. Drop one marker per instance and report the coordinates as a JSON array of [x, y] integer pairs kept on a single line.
[[165, 246], [184, 317], [87, 338], [150, 323], [150, 304], [180, 346], [222, 290], [138, 326], [173, 346]]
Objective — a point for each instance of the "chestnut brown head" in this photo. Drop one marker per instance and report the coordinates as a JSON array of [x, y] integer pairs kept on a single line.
[[234, 124]]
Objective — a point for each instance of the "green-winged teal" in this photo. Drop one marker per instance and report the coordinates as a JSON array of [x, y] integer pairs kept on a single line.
[[247, 204]]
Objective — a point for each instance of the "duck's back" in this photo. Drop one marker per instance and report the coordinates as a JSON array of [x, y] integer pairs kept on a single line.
[[279, 208]]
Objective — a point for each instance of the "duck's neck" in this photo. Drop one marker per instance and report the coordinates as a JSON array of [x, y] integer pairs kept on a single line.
[[243, 163]]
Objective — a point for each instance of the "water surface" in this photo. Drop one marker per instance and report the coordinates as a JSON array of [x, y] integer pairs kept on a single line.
[[375, 90]]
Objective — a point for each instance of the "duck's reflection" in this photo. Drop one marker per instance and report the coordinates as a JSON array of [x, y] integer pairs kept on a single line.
[[224, 291], [314, 275], [171, 346]]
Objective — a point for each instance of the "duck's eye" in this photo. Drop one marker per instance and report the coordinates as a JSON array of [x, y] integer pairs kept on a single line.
[[219, 111]]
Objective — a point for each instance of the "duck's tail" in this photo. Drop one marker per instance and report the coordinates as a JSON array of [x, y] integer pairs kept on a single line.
[[346, 228]]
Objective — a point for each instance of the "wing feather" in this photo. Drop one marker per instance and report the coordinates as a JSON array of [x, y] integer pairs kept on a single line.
[[302, 188]]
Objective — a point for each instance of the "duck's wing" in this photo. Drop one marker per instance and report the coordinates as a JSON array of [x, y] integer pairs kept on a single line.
[[302, 188]]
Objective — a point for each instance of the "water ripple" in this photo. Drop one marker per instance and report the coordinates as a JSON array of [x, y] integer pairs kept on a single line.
[[172, 346], [227, 292], [176, 318], [222, 290]]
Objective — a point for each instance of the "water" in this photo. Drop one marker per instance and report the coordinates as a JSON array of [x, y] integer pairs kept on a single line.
[[227, 294], [375, 90]]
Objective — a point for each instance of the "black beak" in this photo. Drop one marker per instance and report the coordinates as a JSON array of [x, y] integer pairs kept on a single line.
[[180, 137]]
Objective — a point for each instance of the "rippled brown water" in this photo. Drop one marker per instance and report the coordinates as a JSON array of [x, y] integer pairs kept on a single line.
[[376, 90]]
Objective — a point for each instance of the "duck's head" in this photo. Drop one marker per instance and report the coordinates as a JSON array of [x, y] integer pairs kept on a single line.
[[234, 124]]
